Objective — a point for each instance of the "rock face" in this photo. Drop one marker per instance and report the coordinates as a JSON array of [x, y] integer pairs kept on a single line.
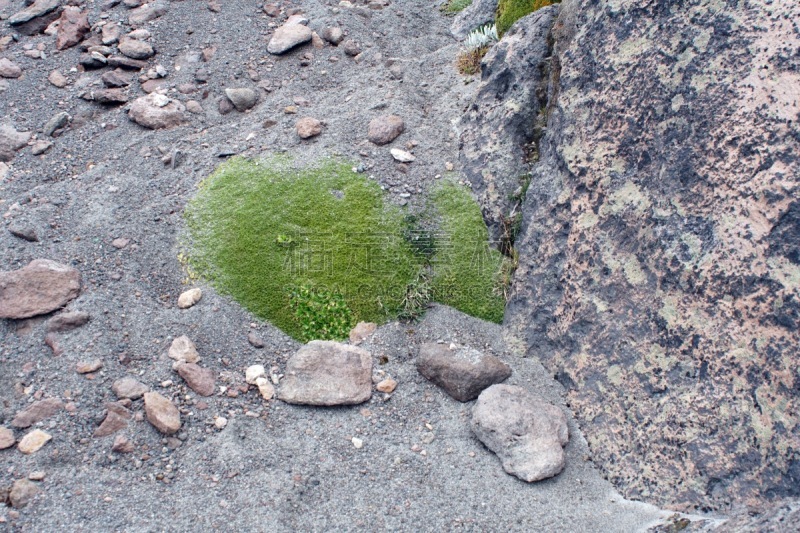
[[496, 139], [659, 257], [462, 372], [287, 37], [162, 413], [477, 14], [156, 111], [40, 287], [527, 433], [327, 373]]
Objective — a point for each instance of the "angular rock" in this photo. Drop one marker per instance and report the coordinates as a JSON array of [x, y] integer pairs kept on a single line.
[[254, 372], [33, 441], [385, 129], [463, 372], [183, 349], [287, 37], [57, 122], [362, 331], [242, 98], [146, 13], [22, 492], [67, 321], [110, 33], [327, 373], [129, 388], [402, 156], [265, 388], [188, 298], [527, 433], [199, 379], [116, 78], [387, 386], [36, 412], [117, 417], [9, 69], [122, 445], [125, 63], [11, 140], [333, 35], [40, 287], [7, 439], [57, 79], [308, 127], [106, 96], [36, 9], [254, 340], [87, 367], [25, 233], [156, 111], [135, 49], [40, 147], [72, 28], [162, 413]]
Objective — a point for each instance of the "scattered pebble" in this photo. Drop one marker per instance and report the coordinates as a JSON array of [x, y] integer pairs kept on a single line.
[[189, 298]]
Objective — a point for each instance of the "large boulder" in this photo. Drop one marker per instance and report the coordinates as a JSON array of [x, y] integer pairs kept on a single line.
[[327, 373], [527, 433], [506, 116], [39, 288], [659, 273]]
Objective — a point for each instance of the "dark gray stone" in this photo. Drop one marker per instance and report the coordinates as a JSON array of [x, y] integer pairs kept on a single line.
[[463, 372]]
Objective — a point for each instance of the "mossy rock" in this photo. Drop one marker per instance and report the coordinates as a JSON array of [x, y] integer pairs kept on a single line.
[[510, 11]]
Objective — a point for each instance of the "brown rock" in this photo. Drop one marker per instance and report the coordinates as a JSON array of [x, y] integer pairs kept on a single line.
[[189, 298], [33, 441], [9, 69], [462, 372], [162, 413], [11, 140], [385, 129], [153, 85], [199, 379], [183, 349], [116, 78], [129, 388], [40, 287], [125, 63], [327, 373], [146, 13], [73, 26], [36, 412], [22, 492], [86, 367], [333, 35], [122, 445], [386, 386], [7, 439], [117, 417], [287, 37], [308, 127], [361, 332], [67, 321], [156, 111], [57, 79], [135, 49]]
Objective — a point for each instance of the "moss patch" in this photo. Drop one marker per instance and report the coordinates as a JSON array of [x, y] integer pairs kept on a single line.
[[510, 11], [456, 6], [315, 250]]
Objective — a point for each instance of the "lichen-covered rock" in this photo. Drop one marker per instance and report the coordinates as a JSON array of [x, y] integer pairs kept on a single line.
[[659, 274], [505, 117]]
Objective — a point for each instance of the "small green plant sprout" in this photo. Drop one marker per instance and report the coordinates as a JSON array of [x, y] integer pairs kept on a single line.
[[476, 45], [455, 6], [321, 313]]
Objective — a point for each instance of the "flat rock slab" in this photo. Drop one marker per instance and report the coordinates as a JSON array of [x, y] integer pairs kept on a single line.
[[287, 37], [162, 413], [37, 9], [41, 287], [463, 372], [129, 388], [327, 373], [527, 433], [36, 412]]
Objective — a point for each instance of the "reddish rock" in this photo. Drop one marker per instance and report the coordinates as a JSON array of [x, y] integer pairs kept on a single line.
[[7, 439], [162, 413], [73, 27], [129, 388], [308, 127], [385, 129], [40, 287], [199, 379], [22, 492], [116, 419], [122, 444], [37, 412], [67, 321]]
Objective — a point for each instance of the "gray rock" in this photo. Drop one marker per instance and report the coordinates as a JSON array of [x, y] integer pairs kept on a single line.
[[116, 78], [463, 372], [7, 439], [135, 49], [110, 33], [327, 373], [40, 147], [385, 129], [58, 121], [495, 142], [129, 388], [351, 47], [287, 37], [527, 433], [125, 63], [37, 9], [156, 111], [67, 321], [162, 413], [242, 98], [11, 140], [146, 13], [25, 233], [333, 35], [477, 14], [9, 69], [39, 288]]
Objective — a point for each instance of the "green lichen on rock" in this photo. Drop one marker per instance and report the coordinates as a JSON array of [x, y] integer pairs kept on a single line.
[[314, 250], [510, 11]]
